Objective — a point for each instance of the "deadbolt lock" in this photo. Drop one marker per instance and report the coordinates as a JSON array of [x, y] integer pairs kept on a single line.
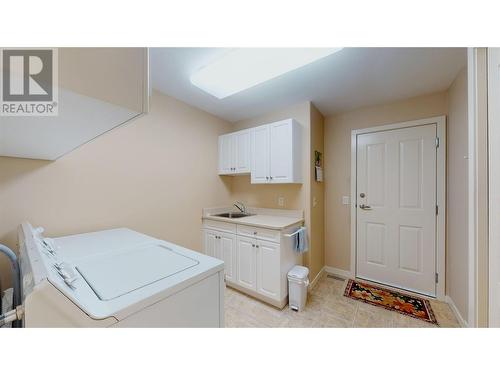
[[362, 195]]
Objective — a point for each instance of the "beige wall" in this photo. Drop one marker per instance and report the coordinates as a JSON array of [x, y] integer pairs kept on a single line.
[[317, 238], [457, 195], [140, 176], [338, 163], [113, 75]]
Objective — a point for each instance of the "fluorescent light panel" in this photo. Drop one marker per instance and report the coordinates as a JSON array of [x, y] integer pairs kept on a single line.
[[243, 68]]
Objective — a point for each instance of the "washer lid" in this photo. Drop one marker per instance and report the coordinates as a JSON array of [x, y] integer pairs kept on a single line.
[[117, 273]]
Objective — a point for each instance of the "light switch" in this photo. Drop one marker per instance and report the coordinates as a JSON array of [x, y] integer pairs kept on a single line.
[[315, 201], [345, 199], [281, 201]]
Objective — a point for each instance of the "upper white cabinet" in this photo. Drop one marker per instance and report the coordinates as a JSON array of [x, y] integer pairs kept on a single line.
[[276, 151], [270, 153], [234, 153]]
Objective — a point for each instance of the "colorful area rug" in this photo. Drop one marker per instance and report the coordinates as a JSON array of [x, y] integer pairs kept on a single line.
[[415, 307]]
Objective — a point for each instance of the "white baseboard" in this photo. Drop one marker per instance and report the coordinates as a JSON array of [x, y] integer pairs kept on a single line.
[[338, 272], [313, 283], [453, 307]]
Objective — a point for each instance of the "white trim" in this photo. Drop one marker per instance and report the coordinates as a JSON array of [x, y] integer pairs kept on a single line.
[[313, 283], [354, 197], [338, 272], [147, 86], [457, 314], [441, 217], [472, 178], [493, 187], [440, 122]]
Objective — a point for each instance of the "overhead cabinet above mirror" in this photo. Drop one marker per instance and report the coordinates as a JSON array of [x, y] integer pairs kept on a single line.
[[269, 153], [97, 89]]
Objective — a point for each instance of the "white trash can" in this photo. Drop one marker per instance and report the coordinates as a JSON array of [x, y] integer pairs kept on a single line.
[[298, 282]]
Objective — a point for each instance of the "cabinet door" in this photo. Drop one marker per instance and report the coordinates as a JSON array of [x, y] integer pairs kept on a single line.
[[227, 253], [226, 154], [260, 155], [246, 274], [242, 151], [268, 269], [281, 157], [210, 243]]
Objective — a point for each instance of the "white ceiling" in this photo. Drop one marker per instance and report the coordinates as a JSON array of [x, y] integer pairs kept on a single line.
[[349, 79]]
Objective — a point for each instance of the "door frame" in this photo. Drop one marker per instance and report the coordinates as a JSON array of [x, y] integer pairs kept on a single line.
[[493, 187], [440, 122]]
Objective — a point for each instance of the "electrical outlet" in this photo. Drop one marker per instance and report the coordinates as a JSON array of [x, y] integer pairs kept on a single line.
[[345, 199], [281, 201]]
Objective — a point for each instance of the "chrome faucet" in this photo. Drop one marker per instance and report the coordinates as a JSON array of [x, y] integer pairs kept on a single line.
[[241, 206]]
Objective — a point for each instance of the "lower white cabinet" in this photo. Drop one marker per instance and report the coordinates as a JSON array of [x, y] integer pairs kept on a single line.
[[268, 268], [257, 267], [222, 246], [246, 262]]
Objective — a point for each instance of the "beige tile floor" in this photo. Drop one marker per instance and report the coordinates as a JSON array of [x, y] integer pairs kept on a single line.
[[326, 307]]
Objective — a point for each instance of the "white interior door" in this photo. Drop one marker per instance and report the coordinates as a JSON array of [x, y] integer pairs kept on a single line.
[[396, 208], [494, 184], [260, 155]]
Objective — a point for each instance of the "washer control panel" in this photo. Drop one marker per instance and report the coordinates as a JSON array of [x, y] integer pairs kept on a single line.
[[65, 270]]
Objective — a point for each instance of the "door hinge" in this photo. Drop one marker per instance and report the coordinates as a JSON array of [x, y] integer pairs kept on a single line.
[[437, 210], [437, 277], [437, 142]]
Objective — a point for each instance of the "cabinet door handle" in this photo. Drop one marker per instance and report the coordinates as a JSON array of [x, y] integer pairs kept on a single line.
[[254, 233], [253, 245], [257, 246], [271, 178]]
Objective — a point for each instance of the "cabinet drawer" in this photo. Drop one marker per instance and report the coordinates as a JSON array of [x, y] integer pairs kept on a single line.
[[260, 233], [219, 225]]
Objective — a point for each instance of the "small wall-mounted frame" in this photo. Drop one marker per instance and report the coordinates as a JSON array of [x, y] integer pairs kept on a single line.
[[318, 169]]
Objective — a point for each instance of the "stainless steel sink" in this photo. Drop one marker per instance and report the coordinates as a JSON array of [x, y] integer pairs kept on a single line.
[[233, 215]]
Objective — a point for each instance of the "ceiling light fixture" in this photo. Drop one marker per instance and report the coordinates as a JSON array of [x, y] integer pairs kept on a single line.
[[242, 68]]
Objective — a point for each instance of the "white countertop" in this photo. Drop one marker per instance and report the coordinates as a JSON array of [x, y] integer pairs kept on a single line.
[[261, 217]]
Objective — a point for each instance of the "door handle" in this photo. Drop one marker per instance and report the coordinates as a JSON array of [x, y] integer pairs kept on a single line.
[[365, 207]]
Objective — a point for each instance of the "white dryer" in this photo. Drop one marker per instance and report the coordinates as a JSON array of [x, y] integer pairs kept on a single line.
[[117, 278]]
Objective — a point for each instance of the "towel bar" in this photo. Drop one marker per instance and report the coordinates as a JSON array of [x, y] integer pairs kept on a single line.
[[293, 234]]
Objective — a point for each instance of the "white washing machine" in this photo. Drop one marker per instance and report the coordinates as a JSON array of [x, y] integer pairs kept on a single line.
[[117, 278]]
